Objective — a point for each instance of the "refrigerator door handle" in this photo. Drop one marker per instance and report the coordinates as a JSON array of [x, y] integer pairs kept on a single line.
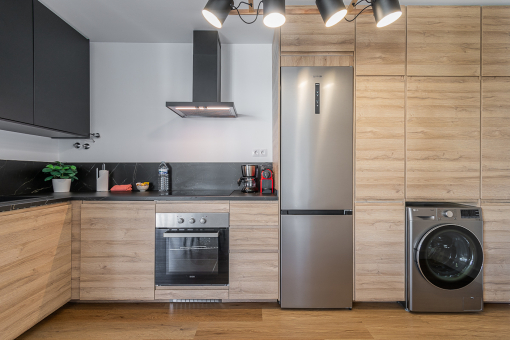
[[316, 212]]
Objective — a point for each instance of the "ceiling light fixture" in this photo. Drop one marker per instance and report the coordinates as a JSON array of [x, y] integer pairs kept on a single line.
[[332, 11], [274, 13], [216, 11], [386, 11]]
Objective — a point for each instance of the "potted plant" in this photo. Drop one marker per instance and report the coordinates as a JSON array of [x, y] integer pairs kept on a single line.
[[61, 176]]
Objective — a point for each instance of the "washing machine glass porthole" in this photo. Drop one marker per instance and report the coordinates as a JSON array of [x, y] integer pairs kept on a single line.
[[449, 256]]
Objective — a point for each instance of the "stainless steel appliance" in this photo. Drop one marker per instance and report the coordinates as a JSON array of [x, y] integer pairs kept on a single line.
[[249, 179], [444, 257], [316, 187], [192, 249]]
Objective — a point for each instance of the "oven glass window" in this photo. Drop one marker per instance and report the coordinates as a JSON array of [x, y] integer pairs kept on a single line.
[[192, 255]]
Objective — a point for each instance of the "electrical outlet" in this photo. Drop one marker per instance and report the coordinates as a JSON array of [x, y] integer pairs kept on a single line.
[[263, 153], [256, 153]]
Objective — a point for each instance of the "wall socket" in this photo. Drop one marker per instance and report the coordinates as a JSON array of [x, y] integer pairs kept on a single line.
[[259, 153]]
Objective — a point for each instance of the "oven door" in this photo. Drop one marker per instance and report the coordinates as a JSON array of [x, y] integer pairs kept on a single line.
[[191, 257]]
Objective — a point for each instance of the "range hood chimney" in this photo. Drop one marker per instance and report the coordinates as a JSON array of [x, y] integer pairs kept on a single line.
[[206, 81]]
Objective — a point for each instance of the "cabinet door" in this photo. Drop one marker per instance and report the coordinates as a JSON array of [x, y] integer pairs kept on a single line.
[[496, 250], [495, 40], [253, 276], [254, 213], [380, 251], [16, 61], [61, 74], [35, 266], [117, 251]]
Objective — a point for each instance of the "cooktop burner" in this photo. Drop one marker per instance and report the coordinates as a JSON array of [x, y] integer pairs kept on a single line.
[[198, 193]]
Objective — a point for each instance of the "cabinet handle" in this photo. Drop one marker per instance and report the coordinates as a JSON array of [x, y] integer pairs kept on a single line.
[[190, 235]]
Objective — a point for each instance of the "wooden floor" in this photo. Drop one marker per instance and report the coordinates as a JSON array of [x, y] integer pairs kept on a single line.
[[155, 321]]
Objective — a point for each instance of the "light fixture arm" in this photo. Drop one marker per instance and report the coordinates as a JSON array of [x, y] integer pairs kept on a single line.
[[369, 2], [250, 5]]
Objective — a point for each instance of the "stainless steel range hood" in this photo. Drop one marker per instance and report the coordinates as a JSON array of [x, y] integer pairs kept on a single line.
[[206, 81]]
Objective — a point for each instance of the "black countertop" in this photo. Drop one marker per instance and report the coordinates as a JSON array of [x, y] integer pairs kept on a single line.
[[52, 198]]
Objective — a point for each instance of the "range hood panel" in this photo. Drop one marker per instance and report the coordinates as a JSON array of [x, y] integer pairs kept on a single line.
[[203, 109]]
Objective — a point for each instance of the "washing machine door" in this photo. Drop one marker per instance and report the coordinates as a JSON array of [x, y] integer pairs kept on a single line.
[[449, 256]]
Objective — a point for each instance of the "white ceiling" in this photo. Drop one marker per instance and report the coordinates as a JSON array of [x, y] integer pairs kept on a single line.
[[172, 21]]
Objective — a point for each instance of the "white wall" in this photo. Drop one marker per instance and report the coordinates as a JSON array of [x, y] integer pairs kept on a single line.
[[21, 147], [130, 84]]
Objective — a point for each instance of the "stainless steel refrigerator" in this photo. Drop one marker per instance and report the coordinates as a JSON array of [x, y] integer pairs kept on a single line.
[[316, 187]]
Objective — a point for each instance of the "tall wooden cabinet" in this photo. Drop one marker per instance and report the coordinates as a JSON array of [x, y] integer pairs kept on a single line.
[[117, 250], [495, 41], [35, 266]]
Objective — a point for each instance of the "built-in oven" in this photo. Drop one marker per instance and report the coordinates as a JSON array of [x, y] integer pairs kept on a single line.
[[192, 249]]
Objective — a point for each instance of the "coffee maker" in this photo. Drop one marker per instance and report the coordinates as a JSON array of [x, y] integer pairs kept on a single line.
[[249, 180]]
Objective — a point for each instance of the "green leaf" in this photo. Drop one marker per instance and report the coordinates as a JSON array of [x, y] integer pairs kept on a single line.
[[73, 167], [49, 166], [56, 167], [74, 177], [65, 177], [48, 178], [66, 167], [46, 170], [55, 173]]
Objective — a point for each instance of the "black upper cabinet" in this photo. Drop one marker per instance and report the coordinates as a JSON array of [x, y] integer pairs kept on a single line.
[[16, 61], [61, 74]]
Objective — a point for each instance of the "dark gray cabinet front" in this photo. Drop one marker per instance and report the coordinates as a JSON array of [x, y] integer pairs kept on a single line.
[[16, 61], [61, 74]]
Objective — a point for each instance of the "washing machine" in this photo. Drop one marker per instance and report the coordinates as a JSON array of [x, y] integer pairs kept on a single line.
[[444, 257]]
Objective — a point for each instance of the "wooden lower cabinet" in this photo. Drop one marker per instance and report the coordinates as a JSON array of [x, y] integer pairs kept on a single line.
[[35, 266], [379, 252], [117, 250], [496, 243]]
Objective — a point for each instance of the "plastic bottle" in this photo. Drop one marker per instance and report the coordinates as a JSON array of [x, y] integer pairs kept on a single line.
[[163, 177]]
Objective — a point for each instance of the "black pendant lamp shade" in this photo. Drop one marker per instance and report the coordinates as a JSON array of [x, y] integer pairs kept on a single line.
[[274, 13], [216, 11], [332, 11], [386, 11]]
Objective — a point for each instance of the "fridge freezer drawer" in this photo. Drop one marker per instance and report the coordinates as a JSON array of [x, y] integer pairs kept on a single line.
[[316, 261]]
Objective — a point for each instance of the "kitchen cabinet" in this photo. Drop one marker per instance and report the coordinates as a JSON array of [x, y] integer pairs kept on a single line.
[[495, 138], [317, 60], [117, 250], [16, 61], [35, 266], [443, 40], [307, 33], [380, 251], [380, 117], [380, 51], [495, 40], [443, 138], [496, 243], [44, 72], [254, 258]]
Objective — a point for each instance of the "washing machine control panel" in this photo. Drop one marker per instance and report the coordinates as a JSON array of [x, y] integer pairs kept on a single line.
[[448, 213]]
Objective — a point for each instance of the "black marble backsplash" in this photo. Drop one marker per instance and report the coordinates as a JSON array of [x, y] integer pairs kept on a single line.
[[24, 177]]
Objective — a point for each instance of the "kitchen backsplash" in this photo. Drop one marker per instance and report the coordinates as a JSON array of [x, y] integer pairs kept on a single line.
[[23, 177]]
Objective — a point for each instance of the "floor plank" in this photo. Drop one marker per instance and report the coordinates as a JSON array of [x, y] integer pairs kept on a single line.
[[164, 321]]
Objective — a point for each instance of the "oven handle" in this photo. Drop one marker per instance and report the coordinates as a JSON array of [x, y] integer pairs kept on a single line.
[[190, 234]]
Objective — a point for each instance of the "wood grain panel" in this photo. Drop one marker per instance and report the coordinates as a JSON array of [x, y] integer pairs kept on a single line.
[[256, 239], [75, 249], [308, 33], [380, 252], [380, 112], [192, 207], [254, 213], [35, 266], [496, 242], [496, 40], [443, 41], [380, 51], [213, 294], [253, 276], [319, 60], [496, 138], [443, 138], [117, 251]]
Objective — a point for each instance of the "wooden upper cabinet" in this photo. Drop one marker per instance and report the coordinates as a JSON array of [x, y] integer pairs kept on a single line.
[[443, 138], [380, 252], [307, 33], [117, 251], [496, 250], [380, 51], [496, 41], [496, 137], [380, 121], [443, 41], [35, 266]]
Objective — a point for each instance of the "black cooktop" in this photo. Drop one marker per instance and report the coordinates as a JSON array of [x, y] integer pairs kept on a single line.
[[198, 193]]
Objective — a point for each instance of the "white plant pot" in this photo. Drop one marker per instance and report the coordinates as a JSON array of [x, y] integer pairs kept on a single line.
[[61, 185]]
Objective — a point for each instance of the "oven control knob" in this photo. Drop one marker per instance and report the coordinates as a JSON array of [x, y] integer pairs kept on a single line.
[[203, 220], [192, 220], [448, 213], [180, 220]]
